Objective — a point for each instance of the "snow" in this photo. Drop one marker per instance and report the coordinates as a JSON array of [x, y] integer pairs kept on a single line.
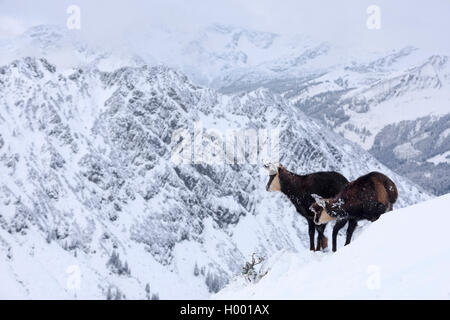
[[405, 151], [440, 158], [403, 255]]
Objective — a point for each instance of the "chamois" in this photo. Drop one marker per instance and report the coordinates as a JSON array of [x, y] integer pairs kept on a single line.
[[298, 188], [366, 198]]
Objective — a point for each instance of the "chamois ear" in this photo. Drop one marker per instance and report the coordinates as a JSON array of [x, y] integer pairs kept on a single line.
[[319, 200]]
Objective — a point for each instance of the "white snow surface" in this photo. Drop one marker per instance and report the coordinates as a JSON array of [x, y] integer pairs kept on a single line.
[[440, 158], [403, 255]]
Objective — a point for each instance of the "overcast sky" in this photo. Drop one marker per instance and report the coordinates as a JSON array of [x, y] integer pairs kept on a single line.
[[422, 23]]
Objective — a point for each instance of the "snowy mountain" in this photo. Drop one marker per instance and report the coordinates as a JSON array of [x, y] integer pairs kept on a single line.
[[91, 205], [378, 264], [359, 94], [401, 116], [68, 49]]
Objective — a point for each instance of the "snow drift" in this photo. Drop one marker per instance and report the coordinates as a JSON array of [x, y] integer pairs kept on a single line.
[[404, 255]]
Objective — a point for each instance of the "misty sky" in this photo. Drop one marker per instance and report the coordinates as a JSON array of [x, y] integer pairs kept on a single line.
[[425, 24]]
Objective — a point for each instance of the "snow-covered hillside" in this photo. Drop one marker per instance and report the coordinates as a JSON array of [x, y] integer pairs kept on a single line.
[[403, 255], [88, 188]]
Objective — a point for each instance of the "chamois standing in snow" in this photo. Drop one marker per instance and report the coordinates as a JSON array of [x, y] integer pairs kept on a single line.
[[366, 198], [298, 188]]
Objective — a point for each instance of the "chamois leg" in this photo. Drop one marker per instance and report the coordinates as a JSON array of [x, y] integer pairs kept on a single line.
[[322, 241], [351, 227], [337, 226], [311, 231]]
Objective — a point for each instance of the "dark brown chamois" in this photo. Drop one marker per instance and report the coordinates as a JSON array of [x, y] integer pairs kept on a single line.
[[366, 198], [298, 188]]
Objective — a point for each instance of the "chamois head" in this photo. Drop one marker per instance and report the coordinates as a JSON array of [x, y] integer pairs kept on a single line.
[[274, 181], [320, 209]]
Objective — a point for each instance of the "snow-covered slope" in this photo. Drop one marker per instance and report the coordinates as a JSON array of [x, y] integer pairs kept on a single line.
[[87, 186], [404, 255]]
